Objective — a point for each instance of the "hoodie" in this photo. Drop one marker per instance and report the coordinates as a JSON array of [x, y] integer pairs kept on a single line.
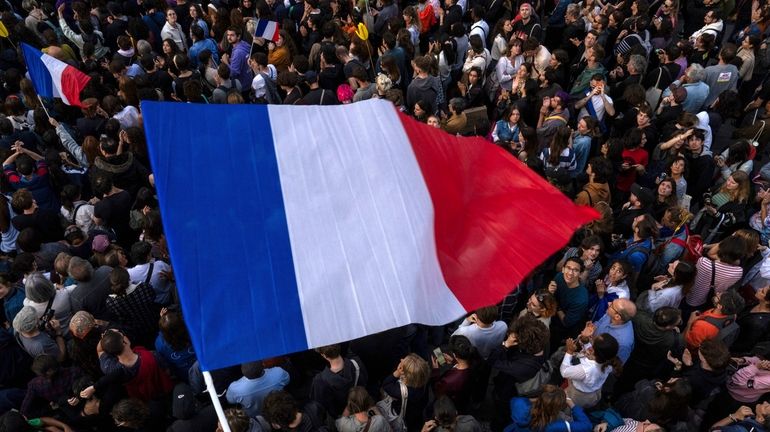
[[514, 366], [330, 389], [127, 173], [703, 124], [652, 343], [428, 89]]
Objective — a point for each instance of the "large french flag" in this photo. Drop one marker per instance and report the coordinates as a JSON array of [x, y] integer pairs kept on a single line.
[[52, 77], [293, 227]]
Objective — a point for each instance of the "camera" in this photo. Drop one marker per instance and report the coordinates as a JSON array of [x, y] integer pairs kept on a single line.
[[707, 198], [44, 323]]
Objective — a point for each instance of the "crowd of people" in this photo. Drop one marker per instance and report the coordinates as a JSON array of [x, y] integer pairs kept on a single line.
[[655, 317]]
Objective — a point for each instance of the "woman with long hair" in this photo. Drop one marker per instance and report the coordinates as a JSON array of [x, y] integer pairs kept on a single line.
[[413, 373], [676, 170], [446, 418], [281, 52], [669, 289], [509, 63], [361, 413], [583, 140], [173, 343], [725, 206], [507, 130], [665, 198], [548, 412], [502, 34], [128, 91], [166, 59], [196, 17], [559, 157], [412, 24], [737, 157], [529, 145], [595, 364]]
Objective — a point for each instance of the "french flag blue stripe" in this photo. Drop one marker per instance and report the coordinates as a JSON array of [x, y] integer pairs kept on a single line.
[[231, 230], [261, 26], [38, 72]]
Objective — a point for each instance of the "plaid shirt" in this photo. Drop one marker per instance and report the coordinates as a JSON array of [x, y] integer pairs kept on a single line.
[[135, 308], [50, 390]]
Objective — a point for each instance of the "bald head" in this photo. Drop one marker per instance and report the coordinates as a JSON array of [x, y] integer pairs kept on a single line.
[[625, 309]]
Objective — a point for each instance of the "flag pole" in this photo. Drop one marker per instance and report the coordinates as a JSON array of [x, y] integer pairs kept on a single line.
[[251, 47], [43, 105], [215, 400]]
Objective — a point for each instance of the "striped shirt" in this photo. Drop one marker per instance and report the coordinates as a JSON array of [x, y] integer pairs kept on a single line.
[[566, 159], [725, 276]]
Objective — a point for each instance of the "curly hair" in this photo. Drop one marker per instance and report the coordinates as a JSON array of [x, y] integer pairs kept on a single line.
[[280, 408], [532, 335]]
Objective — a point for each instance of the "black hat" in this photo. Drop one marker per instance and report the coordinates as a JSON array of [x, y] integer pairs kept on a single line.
[[643, 194]]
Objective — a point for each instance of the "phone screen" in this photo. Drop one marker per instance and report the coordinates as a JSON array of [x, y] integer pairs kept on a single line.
[[439, 356]]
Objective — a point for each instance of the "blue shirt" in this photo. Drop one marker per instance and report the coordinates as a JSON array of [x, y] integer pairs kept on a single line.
[[624, 333], [251, 392], [582, 146], [199, 46], [696, 96]]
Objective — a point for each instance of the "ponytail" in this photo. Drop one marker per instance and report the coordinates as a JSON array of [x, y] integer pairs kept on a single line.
[[617, 365]]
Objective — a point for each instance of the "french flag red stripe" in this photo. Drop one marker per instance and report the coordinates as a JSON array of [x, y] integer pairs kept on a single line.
[[482, 198]]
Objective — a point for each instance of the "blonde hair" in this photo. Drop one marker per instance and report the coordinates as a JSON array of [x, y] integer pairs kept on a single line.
[[416, 371]]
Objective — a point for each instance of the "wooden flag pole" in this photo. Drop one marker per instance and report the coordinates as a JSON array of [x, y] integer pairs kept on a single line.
[[43, 105]]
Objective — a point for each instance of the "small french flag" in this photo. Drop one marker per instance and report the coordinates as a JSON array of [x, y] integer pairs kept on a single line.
[[52, 77], [267, 29]]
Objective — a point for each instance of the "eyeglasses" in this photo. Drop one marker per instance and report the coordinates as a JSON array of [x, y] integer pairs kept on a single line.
[[572, 269]]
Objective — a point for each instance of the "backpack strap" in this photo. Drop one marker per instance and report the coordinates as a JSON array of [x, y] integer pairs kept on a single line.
[[149, 274], [75, 212], [719, 323], [358, 371], [404, 397]]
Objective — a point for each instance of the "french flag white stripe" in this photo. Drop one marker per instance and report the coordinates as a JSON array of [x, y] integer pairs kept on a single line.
[[271, 30], [56, 68], [370, 208]]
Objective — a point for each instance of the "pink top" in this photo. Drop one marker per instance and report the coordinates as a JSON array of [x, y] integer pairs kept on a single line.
[[749, 383]]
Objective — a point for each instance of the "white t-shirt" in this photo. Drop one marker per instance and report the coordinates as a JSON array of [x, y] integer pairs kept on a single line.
[[484, 339], [598, 104]]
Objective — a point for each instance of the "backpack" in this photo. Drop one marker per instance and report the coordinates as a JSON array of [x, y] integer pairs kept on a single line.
[[385, 406], [728, 328], [532, 386], [644, 42], [693, 246]]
